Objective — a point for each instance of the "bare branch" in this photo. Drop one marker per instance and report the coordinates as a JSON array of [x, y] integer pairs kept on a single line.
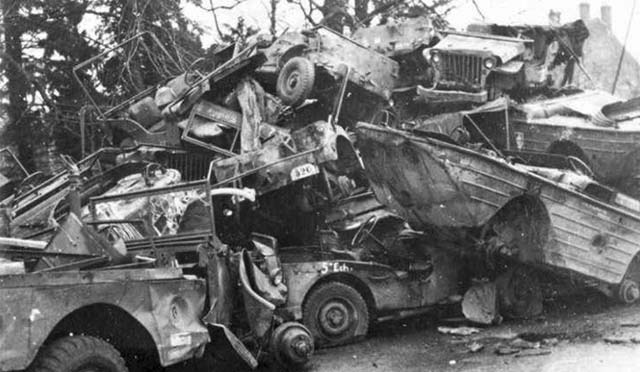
[[215, 19], [222, 7]]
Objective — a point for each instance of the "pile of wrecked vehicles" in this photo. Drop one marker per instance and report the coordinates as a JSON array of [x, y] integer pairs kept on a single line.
[[132, 258], [236, 217], [137, 279]]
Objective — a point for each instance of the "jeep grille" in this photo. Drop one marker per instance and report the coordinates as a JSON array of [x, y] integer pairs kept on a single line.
[[461, 69]]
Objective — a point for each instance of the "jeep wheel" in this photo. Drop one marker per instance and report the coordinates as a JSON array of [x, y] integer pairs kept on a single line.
[[79, 354], [520, 293], [295, 81], [336, 314]]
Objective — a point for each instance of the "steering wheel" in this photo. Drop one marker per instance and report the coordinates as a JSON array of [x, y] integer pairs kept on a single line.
[[364, 230], [580, 166]]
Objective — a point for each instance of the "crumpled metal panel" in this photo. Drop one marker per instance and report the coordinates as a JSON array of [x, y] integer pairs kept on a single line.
[[432, 183], [273, 164], [166, 304], [504, 48], [259, 310], [587, 103], [396, 38], [370, 70]]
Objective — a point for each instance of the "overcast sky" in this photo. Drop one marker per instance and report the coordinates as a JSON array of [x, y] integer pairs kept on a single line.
[[499, 11]]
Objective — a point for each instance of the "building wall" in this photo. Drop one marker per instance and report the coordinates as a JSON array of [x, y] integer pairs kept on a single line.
[[601, 55]]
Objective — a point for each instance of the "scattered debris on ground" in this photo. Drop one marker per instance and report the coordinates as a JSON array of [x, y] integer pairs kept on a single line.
[[247, 184]]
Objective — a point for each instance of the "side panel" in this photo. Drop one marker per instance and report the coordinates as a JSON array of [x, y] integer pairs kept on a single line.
[[605, 148], [587, 236], [169, 310], [370, 70], [15, 314], [389, 291], [589, 239]]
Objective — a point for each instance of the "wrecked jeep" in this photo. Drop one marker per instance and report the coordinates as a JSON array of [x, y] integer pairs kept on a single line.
[[311, 63], [403, 41], [477, 67], [163, 242], [174, 225], [114, 319], [309, 152], [368, 266], [36, 201], [151, 115], [467, 66]]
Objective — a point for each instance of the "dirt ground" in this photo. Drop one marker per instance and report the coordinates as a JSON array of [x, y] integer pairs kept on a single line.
[[580, 333]]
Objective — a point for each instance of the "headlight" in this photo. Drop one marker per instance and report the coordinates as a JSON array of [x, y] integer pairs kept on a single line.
[[435, 57], [489, 63]]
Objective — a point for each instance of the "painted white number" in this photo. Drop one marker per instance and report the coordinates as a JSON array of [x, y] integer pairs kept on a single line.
[[304, 171], [334, 267]]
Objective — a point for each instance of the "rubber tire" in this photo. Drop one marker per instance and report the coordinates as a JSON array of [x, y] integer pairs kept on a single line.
[[70, 354], [304, 73], [521, 294], [322, 294]]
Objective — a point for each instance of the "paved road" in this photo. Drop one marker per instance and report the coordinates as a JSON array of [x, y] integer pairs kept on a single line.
[[591, 334]]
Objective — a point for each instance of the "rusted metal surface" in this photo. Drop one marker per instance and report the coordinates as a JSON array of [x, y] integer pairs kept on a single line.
[[430, 95], [508, 59], [329, 50], [391, 289], [430, 182], [189, 238], [161, 300], [573, 125], [397, 38], [32, 209], [484, 45], [464, 63], [289, 161], [394, 268]]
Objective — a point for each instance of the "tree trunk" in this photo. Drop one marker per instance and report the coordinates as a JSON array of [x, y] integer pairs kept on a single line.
[[362, 12], [335, 14], [19, 121], [272, 17]]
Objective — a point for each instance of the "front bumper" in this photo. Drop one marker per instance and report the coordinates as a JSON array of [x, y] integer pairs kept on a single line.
[[437, 95]]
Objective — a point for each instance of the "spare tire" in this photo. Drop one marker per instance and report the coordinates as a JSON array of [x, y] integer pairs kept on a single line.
[[295, 81]]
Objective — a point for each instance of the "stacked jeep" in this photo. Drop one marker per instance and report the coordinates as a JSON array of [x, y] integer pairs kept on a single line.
[[156, 233]]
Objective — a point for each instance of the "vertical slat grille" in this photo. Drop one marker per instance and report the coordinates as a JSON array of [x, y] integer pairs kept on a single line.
[[460, 68], [192, 167]]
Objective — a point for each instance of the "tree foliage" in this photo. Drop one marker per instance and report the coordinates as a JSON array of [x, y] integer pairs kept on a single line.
[[338, 14], [45, 39]]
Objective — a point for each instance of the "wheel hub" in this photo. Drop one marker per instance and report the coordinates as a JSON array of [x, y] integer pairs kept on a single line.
[[629, 291], [335, 317], [292, 82]]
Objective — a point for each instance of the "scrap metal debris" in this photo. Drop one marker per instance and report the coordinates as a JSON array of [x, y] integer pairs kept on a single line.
[[458, 331], [468, 165]]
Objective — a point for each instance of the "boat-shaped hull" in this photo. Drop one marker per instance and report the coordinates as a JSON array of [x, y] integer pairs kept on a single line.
[[435, 184]]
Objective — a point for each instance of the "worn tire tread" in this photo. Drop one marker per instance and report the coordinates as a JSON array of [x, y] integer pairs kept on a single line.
[[307, 74], [325, 290], [64, 351]]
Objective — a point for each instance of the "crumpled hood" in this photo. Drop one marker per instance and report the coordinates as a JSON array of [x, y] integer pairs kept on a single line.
[[503, 48]]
